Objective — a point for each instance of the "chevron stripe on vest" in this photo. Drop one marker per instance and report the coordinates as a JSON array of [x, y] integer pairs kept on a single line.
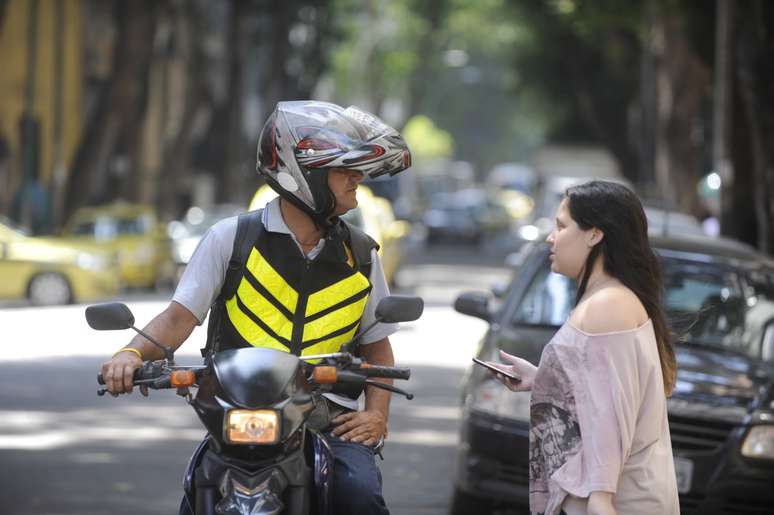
[[286, 302]]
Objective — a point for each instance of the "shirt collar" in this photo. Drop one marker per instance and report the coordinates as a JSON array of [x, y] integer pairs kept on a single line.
[[273, 222], [272, 218]]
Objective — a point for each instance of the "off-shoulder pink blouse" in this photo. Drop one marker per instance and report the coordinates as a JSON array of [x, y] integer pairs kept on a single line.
[[599, 423]]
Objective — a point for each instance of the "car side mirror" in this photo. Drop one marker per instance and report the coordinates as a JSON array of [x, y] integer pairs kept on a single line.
[[399, 308], [499, 290], [473, 304], [109, 316], [767, 345]]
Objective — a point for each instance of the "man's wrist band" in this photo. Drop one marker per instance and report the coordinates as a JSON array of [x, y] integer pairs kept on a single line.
[[129, 349]]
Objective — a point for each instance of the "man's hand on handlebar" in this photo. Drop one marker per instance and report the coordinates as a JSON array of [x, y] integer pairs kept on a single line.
[[365, 427], [119, 371]]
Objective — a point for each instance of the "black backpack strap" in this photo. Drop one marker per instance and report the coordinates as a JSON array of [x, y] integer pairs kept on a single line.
[[249, 228], [360, 244]]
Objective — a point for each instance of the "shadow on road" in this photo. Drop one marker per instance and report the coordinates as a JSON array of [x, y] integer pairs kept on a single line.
[[66, 451]]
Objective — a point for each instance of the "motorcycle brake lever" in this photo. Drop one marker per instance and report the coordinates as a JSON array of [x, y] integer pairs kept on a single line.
[[390, 388]]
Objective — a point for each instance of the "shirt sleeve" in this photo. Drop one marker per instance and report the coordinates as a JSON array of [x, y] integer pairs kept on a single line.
[[203, 278], [607, 397], [379, 290]]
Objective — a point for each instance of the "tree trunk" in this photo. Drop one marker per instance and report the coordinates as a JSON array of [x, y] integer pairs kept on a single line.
[[432, 12], [230, 186], [721, 105], [682, 82], [120, 106], [755, 53], [190, 85]]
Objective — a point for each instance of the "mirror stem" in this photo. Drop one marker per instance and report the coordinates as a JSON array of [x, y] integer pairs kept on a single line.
[[168, 353], [347, 347]]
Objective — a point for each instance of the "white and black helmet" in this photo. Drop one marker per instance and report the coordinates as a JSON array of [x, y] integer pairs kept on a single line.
[[302, 140]]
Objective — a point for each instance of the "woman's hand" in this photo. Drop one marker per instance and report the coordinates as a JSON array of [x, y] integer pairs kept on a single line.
[[518, 367]]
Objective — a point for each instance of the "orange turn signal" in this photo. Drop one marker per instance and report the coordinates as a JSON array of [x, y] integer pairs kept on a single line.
[[324, 375], [182, 378]]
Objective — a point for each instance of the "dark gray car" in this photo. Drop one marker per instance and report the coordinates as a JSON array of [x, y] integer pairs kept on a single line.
[[719, 297]]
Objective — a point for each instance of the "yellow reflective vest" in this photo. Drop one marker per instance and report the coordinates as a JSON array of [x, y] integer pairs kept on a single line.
[[287, 302]]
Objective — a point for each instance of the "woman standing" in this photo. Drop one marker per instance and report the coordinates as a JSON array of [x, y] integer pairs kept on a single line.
[[599, 436]]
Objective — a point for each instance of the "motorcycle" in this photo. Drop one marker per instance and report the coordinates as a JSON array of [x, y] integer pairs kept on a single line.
[[260, 456]]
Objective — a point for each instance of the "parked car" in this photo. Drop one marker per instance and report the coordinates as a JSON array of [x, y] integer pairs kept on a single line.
[[134, 233], [467, 216], [186, 233], [719, 298], [660, 221], [373, 215], [665, 222], [49, 271], [516, 185]]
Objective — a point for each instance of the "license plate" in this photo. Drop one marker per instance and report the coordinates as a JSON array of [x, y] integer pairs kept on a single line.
[[684, 473]]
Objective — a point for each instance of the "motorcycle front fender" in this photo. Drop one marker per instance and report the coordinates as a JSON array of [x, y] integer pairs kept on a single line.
[[323, 471], [189, 486]]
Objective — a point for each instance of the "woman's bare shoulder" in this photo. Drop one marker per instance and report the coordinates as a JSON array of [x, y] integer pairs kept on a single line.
[[610, 310]]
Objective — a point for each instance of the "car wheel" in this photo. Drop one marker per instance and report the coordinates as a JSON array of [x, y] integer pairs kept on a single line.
[[466, 504], [49, 289]]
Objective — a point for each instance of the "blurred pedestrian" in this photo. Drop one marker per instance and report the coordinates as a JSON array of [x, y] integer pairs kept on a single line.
[[599, 435]]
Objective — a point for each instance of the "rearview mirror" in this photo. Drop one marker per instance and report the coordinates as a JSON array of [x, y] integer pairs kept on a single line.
[[399, 308], [109, 316], [473, 304]]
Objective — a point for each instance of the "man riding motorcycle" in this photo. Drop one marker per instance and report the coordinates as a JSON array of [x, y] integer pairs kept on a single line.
[[294, 277]]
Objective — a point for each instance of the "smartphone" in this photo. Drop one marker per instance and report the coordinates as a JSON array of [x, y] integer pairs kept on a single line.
[[509, 375]]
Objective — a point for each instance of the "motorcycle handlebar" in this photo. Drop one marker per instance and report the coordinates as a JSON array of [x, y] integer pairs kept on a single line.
[[385, 372], [146, 371]]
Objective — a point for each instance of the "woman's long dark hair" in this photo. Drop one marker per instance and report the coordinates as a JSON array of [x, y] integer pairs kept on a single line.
[[617, 212]]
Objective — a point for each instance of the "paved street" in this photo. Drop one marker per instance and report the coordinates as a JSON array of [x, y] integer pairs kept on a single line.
[[66, 451]]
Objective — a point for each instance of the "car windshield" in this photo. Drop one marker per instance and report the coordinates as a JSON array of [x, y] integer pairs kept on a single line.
[[198, 220], [706, 304], [108, 227]]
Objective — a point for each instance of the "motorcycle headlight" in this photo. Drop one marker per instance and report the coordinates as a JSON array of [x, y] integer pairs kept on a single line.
[[252, 427], [759, 443]]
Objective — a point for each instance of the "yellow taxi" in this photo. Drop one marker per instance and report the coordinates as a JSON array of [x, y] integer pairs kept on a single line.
[[135, 234], [49, 271], [374, 215]]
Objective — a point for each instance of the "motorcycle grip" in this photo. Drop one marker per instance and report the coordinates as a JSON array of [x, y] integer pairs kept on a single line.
[[386, 372], [137, 375]]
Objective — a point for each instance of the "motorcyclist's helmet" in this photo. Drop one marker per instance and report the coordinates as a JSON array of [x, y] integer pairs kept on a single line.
[[302, 140]]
